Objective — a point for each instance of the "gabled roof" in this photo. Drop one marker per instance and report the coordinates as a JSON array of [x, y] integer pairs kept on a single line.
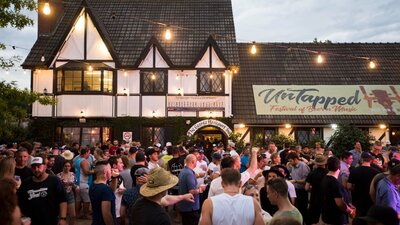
[[128, 26], [276, 65]]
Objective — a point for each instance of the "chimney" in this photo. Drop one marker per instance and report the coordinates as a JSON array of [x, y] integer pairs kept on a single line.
[[47, 23]]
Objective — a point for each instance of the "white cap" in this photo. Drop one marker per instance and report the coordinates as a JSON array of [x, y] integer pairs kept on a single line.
[[168, 144], [37, 160]]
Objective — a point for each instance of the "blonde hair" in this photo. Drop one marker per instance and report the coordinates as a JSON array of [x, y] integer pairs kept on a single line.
[[7, 167]]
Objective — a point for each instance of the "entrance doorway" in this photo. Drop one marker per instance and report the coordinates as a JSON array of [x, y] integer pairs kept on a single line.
[[212, 134]]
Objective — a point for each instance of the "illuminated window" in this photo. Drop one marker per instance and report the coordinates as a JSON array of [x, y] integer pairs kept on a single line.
[[154, 82], [211, 82], [100, 81], [92, 80]]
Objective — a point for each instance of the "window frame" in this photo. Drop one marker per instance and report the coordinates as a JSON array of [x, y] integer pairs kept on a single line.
[[59, 137], [209, 70], [82, 71], [154, 70]]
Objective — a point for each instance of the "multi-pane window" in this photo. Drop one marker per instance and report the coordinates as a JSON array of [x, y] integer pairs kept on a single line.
[[90, 136], [269, 133], [211, 82], [153, 135], [108, 81], [92, 80], [83, 135], [85, 81], [154, 82], [303, 135], [72, 80]]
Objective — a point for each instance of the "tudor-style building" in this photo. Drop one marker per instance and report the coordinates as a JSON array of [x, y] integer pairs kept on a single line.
[[111, 70]]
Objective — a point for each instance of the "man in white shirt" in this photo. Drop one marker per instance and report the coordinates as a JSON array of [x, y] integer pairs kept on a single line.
[[231, 207], [152, 154], [234, 162]]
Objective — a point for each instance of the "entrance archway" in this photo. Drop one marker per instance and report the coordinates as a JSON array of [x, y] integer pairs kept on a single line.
[[209, 123]]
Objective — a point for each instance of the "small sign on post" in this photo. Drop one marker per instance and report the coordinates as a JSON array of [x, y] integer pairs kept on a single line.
[[127, 136]]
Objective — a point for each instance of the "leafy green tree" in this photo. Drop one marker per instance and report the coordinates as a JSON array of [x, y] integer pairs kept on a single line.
[[12, 15], [281, 139], [15, 104], [346, 135], [235, 137]]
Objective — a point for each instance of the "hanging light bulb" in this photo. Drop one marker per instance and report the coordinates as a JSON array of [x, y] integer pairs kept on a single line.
[[24, 71], [90, 68], [253, 48], [46, 8], [211, 76], [42, 59], [153, 77], [7, 72], [320, 59], [372, 64], [168, 34]]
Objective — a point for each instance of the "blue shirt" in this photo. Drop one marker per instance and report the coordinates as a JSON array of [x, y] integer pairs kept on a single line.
[[187, 182], [356, 157], [243, 161], [388, 195], [101, 193]]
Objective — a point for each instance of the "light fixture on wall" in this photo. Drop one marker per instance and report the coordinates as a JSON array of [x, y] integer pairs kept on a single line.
[[334, 126], [188, 122], [288, 125], [241, 125], [382, 126], [320, 59], [42, 59], [153, 113], [45, 91], [82, 119]]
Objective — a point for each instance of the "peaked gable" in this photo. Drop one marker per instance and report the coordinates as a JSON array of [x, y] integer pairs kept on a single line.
[[84, 34], [210, 56], [153, 56]]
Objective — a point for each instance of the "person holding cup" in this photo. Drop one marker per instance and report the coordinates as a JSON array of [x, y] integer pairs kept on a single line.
[[188, 184]]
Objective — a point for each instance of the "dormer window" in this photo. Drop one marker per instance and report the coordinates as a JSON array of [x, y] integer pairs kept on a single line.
[[154, 81], [211, 82]]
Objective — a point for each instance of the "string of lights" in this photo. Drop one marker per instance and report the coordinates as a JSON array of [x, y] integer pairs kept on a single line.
[[320, 56]]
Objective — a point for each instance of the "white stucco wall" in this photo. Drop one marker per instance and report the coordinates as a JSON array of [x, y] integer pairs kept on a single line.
[[153, 103], [91, 105]]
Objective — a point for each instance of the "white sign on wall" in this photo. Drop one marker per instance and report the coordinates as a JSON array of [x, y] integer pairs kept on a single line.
[[210, 122], [195, 103], [127, 136]]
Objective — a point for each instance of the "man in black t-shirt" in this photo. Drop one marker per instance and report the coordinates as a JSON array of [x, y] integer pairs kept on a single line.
[[42, 197], [313, 184], [148, 210], [335, 210], [140, 162], [359, 181], [21, 169]]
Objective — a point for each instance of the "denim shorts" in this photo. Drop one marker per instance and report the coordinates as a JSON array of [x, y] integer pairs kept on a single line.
[[70, 197]]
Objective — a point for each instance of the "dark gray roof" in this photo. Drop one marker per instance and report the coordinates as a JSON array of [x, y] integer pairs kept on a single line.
[[128, 25], [277, 65]]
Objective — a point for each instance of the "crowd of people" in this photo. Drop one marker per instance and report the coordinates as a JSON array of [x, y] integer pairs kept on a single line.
[[188, 183]]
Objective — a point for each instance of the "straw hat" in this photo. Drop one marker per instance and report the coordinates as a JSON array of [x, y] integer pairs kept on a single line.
[[158, 180], [67, 154], [320, 160]]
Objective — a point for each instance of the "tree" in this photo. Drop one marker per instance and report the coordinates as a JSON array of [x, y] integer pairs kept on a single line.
[[346, 135], [281, 139], [11, 15], [14, 105], [316, 41]]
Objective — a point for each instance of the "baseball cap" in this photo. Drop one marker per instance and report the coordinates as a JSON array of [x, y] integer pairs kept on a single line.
[[141, 171], [150, 150], [157, 145], [216, 156], [37, 161], [168, 144], [133, 149]]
